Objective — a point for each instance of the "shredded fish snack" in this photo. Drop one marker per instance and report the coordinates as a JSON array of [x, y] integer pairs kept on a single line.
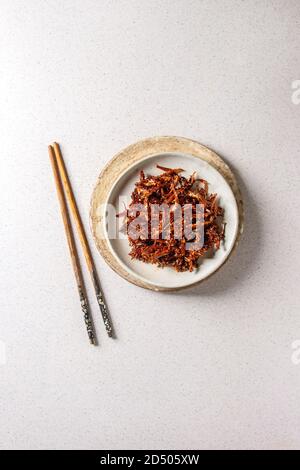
[[157, 237]]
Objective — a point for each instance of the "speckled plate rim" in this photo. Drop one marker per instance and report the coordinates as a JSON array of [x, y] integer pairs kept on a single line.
[[121, 163]]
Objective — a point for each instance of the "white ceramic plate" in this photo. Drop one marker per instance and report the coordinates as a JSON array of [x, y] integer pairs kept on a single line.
[[168, 278]]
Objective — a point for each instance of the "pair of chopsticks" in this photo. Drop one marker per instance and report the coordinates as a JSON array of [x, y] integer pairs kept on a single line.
[[65, 193]]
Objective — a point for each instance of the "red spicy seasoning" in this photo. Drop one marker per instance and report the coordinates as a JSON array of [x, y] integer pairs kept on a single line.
[[158, 235]]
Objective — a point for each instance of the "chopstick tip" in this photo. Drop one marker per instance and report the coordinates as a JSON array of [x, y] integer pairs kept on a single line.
[[51, 152], [93, 341]]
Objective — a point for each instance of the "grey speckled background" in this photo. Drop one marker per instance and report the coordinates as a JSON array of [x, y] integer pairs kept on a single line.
[[207, 368]]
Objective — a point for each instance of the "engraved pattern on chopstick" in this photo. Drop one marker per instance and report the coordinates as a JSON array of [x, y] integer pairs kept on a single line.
[[87, 316], [102, 305]]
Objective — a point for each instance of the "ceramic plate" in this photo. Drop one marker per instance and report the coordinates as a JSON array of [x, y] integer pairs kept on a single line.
[[118, 179], [119, 197]]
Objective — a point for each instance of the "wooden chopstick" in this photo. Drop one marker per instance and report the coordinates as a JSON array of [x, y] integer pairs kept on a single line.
[[72, 248], [83, 239]]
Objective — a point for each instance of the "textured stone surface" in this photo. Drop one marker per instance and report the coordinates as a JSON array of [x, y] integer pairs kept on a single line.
[[210, 367]]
